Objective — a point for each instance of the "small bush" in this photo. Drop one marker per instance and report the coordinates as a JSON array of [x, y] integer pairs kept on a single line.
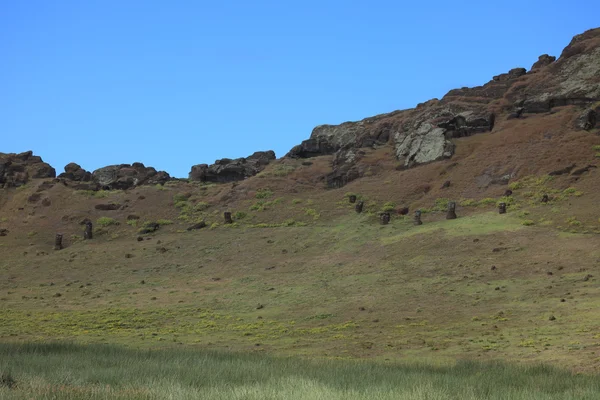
[[162, 222], [106, 221], [201, 206], [312, 212], [263, 194], [528, 222], [31, 234], [132, 222], [181, 197], [389, 206], [467, 203], [596, 147], [516, 185], [214, 225], [282, 170], [573, 221], [239, 215], [488, 201], [296, 201]]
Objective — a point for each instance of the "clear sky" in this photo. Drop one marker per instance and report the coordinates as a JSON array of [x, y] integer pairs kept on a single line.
[[178, 83]]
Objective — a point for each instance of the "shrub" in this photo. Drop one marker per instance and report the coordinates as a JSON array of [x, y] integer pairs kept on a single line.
[[596, 147], [201, 206], [181, 197], [528, 222], [467, 203], [296, 201], [239, 215], [389, 206], [106, 221], [214, 225], [312, 212], [573, 221], [162, 222], [488, 201], [132, 222], [516, 185], [263, 194]]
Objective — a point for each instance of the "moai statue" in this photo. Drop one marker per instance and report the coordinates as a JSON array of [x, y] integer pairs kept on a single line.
[[58, 241], [545, 198], [359, 206], [352, 198], [502, 208], [385, 218], [508, 193], [451, 214], [227, 216], [87, 234], [417, 220]]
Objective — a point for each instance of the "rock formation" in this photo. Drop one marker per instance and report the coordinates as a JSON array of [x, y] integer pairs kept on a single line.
[[126, 176], [18, 169], [227, 170], [428, 132]]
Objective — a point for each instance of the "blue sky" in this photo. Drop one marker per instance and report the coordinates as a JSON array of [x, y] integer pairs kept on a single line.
[[178, 83]]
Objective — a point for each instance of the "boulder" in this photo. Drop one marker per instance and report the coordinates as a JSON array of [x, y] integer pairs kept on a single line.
[[543, 61], [587, 120], [74, 172], [228, 170], [17, 169], [126, 176]]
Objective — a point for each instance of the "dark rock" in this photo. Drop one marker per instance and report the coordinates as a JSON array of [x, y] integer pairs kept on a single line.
[[74, 172], [508, 193], [581, 171], [3, 231], [140, 239], [543, 61], [17, 169], [562, 171], [132, 217], [199, 225], [107, 207], [545, 198], [402, 211], [552, 318], [227, 170], [125, 176], [446, 185]]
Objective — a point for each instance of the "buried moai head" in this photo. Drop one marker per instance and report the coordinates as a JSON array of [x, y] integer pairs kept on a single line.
[[451, 214], [545, 198], [508, 193], [227, 216], [87, 233], [417, 218], [352, 198], [502, 208], [58, 241], [385, 218], [359, 206]]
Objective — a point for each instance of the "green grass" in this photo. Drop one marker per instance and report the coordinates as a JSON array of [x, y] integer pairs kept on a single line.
[[106, 221], [67, 371], [263, 194], [478, 224]]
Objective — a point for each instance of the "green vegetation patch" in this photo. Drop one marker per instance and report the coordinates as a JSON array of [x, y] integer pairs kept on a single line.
[[106, 221]]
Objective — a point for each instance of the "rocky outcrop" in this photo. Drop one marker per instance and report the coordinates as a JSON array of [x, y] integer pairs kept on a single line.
[[126, 176], [74, 172], [542, 61], [228, 170], [427, 132], [17, 169], [573, 79], [587, 119], [345, 168]]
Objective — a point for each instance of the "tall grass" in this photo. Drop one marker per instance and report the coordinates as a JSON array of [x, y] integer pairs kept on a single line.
[[67, 371]]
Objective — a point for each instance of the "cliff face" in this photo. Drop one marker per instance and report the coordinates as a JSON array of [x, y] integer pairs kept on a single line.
[[427, 133]]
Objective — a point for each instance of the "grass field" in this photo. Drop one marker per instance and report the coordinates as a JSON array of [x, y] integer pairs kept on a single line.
[[65, 371]]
